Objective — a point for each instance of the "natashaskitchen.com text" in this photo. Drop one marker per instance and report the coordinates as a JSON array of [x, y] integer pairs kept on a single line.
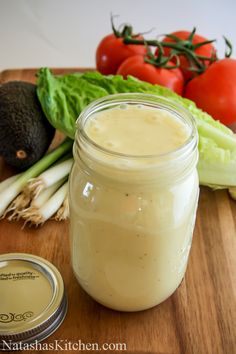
[[63, 345]]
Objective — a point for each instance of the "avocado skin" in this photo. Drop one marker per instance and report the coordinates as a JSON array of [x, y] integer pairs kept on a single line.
[[23, 125]]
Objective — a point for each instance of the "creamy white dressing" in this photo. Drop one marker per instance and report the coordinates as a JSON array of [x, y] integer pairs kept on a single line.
[[135, 130]]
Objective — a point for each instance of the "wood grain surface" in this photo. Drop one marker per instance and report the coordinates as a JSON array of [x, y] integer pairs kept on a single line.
[[200, 317]]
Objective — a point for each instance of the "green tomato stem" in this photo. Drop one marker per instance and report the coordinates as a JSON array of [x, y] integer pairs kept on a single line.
[[180, 48]]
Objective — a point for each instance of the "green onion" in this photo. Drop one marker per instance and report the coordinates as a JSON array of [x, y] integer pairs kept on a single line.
[[47, 210], [12, 190], [49, 177], [45, 194], [40, 201]]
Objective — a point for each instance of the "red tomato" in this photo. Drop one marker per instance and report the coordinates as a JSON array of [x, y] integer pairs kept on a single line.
[[206, 50], [214, 91], [111, 52], [136, 66]]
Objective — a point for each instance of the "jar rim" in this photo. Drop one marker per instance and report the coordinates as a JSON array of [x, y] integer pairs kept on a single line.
[[151, 100]]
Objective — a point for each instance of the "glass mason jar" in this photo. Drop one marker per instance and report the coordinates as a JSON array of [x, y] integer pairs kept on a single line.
[[132, 217]]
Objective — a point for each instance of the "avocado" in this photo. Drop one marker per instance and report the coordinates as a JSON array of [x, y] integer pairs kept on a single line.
[[25, 133]]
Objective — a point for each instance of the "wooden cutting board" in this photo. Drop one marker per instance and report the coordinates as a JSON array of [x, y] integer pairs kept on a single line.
[[200, 317]]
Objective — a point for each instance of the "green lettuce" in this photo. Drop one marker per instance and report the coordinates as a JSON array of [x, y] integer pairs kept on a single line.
[[63, 97]]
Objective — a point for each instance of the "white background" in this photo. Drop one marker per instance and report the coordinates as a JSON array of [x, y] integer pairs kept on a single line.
[[65, 33]]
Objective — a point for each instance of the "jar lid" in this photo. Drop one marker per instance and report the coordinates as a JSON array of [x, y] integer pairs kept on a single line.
[[33, 301]]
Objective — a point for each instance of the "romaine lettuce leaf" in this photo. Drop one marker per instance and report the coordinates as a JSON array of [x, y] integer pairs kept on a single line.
[[64, 97]]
